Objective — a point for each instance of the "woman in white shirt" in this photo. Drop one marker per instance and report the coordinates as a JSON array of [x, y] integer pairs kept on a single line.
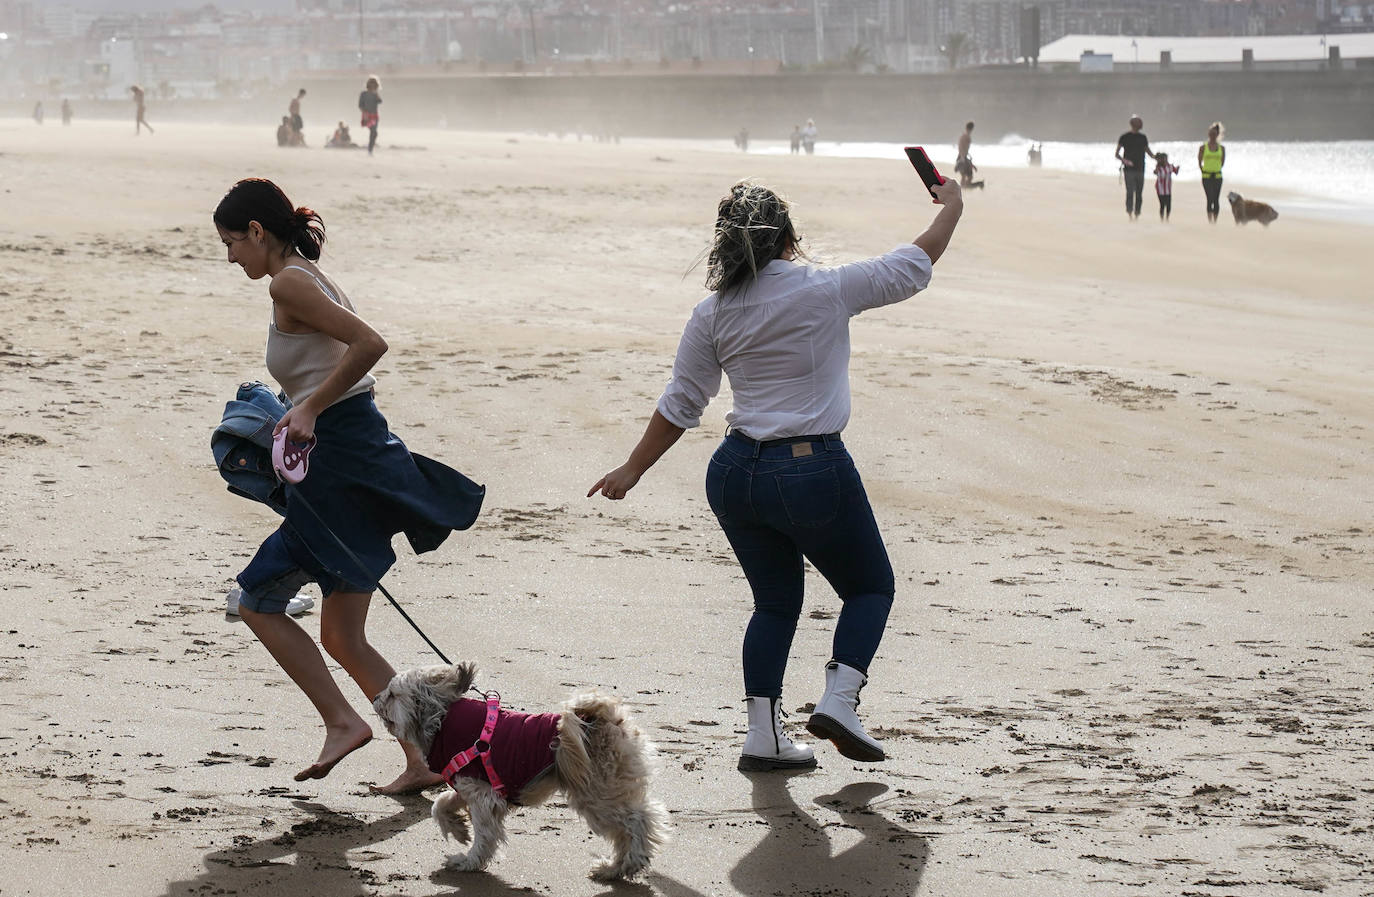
[[782, 485]]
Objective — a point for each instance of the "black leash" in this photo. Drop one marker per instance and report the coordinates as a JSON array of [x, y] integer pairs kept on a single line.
[[363, 568]]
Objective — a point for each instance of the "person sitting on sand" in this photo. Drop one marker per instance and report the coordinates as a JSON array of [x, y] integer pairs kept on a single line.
[[362, 487], [782, 485], [284, 131], [341, 138]]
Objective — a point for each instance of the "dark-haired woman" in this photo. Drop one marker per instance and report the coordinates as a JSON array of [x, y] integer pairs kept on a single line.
[[363, 485], [781, 484]]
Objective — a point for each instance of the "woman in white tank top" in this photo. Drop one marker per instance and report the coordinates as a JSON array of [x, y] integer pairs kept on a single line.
[[364, 485]]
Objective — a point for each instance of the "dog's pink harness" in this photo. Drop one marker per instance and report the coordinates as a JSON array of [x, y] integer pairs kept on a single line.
[[523, 750], [481, 750]]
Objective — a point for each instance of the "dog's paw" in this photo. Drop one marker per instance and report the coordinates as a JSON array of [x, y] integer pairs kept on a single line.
[[613, 871], [462, 862]]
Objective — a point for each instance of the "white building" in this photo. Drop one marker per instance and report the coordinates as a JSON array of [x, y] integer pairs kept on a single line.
[[1287, 51]]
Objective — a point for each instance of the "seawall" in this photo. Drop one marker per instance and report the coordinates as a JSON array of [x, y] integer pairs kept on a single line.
[[1071, 106], [1255, 105]]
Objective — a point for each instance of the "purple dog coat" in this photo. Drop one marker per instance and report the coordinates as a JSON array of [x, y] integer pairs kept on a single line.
[[522, 745]]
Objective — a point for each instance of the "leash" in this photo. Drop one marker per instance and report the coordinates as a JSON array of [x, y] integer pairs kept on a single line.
[[363, 567]]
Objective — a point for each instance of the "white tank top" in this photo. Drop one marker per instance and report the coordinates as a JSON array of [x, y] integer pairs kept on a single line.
[[300, 362]]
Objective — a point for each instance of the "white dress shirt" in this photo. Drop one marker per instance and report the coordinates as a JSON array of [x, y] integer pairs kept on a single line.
[[783, 340]]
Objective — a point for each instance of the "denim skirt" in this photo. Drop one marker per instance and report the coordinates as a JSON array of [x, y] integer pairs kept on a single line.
[[364, 487]]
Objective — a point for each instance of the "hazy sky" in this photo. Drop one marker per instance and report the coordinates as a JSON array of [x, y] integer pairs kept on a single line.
[[147, 5]]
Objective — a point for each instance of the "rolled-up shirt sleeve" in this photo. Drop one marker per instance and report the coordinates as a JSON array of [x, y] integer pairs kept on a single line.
[[884, 279], [696, 374]]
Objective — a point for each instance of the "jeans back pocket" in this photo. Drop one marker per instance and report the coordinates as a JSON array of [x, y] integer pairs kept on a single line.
[[810, 499]]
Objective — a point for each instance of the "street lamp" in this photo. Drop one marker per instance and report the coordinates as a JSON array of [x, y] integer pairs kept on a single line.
[[1135, 46], [751, 60]]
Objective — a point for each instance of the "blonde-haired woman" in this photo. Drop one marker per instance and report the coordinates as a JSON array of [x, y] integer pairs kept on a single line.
[[1211, 156], [782, 485]]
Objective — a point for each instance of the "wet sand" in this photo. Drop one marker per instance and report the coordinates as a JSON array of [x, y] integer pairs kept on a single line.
[[1124, 472]]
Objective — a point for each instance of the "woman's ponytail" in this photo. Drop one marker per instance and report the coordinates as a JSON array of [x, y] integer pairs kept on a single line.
[[308, 235]]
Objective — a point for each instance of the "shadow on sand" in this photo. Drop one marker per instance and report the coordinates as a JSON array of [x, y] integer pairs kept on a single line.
[[796, 855], [312, 858]]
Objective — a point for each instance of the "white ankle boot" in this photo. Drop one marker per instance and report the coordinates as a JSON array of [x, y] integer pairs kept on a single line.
[[835, 718], [765, 747]]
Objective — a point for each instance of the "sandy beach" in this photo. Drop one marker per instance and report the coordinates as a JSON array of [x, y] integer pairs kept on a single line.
[[1125, 472]]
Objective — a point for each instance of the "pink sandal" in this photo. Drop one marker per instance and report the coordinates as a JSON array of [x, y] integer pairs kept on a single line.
[[290, 459]]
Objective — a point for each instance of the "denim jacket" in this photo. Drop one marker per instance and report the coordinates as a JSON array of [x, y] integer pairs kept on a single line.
[[242, 445]]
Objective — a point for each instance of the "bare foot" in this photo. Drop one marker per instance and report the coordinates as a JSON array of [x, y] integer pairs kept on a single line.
[[338, 743], [412, 781]]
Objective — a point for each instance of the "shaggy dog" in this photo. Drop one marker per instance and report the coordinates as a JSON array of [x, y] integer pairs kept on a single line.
[[1250, 210], [600, 761]]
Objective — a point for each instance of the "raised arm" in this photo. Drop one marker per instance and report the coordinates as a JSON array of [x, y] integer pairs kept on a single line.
[[935, 238]]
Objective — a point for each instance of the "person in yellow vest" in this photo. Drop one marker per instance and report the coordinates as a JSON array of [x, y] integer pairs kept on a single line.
[[1211, 156]]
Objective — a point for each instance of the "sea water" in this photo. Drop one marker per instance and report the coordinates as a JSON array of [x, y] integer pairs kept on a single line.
[[1325, 179]]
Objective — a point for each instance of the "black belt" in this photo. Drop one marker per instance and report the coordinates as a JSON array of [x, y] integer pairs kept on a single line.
[[786, 440]]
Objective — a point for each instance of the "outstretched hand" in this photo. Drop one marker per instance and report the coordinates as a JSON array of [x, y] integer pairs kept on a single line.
[[615, 484]]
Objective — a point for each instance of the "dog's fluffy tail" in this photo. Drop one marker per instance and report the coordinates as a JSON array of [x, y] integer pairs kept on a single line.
[[447, 813], [595, 725]]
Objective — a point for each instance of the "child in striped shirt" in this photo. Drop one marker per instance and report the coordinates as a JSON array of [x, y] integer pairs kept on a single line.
[[1164, 184]]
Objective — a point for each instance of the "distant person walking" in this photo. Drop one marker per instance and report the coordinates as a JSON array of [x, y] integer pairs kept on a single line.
[[66, 112], [1131, 149], [961, 158], [297, 123], [368, 103], [1211, 156], [796, 139], [808, 137], [1164, 184], [782, 485], [140, 121], [963, 162], [38, 112]]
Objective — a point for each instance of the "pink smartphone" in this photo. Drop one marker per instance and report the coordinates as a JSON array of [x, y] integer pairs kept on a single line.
[[924, 167]]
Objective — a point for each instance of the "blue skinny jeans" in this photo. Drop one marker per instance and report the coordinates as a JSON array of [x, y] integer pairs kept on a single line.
[[778, 504]]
